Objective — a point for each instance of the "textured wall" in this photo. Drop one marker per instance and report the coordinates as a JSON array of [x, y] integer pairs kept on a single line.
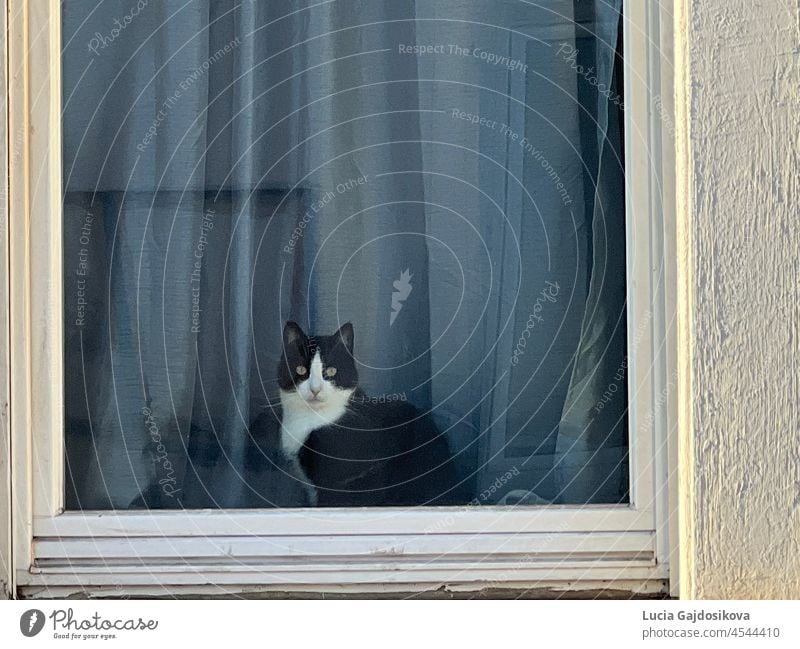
[[743, 179], [5, 499]]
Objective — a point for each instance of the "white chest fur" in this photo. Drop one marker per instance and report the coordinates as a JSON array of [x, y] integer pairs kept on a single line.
[[300, 419]]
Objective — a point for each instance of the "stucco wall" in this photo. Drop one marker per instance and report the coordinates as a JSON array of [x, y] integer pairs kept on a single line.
[[5, 476], [743, 238]]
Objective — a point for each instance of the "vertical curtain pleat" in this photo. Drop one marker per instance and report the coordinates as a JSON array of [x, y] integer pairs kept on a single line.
[[592, 451]]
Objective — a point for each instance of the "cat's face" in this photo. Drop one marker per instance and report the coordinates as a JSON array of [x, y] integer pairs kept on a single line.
[[317, 369]]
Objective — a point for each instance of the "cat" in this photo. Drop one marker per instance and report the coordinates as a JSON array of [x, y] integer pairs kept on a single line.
[[354, 451]]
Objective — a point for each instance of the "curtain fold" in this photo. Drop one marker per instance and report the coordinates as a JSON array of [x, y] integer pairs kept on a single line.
[[443, 175], [592, 448]]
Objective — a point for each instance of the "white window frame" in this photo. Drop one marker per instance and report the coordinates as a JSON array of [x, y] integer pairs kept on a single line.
[[631, 547]]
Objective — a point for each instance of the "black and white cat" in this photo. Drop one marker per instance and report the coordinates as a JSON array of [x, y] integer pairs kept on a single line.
[[354, 451], [317, 377]]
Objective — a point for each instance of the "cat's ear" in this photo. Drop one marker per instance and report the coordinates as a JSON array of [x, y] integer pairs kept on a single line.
[[345, 334], [293, 334]]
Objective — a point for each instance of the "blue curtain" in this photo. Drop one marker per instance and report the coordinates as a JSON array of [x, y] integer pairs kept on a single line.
[[446, 175]]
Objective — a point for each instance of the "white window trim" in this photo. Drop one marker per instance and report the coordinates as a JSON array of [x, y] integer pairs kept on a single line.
[[626, 547]]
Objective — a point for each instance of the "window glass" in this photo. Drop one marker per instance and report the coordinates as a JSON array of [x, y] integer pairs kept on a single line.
[[344, 254]]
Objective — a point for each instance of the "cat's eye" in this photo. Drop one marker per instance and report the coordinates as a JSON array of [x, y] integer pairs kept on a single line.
[[300, 370], [330, 371]]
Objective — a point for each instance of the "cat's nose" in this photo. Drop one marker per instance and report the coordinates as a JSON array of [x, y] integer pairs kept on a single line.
[[316, 391]]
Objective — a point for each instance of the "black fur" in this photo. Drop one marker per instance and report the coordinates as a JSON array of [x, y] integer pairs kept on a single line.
[[379, 455], [299, 349], [376, 454]]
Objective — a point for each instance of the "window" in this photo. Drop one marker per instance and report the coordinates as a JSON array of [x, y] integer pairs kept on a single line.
[[289, 263]]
